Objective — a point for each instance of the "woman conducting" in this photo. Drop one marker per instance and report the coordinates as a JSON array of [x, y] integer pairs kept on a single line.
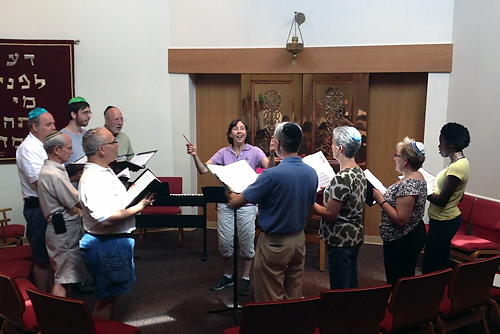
[[444, 216], [403, 204], [341, 225], [237, 136]]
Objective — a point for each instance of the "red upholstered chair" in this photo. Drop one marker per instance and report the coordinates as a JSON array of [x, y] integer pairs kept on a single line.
[[353, 311], [296, 316], [466, 205], [414, 303], [175, 187], [59, 315], [16, 262], [467, 295], [10, 233], [494, 300], [485, 238], [15, 306]]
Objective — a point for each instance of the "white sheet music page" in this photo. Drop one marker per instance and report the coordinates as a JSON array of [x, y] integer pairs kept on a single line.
[[374, 181], [139, 185], [496, 281], [322, 167], [237, 176], [141, 159], [430, 179]]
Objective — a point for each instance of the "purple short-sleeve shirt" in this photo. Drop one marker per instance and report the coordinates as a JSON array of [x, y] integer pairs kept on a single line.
[[226, 156]]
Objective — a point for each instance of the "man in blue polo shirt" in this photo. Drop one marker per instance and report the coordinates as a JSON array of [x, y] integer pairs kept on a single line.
[[285, 195]]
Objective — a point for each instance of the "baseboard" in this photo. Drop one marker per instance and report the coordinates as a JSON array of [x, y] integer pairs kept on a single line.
[[373, 240]]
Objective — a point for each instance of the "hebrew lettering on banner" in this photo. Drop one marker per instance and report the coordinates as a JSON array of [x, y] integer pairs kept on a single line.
[[33, 73]]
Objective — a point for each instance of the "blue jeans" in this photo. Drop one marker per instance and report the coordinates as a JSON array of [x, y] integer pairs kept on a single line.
[[438, 243], [110, 262], [343, 266]]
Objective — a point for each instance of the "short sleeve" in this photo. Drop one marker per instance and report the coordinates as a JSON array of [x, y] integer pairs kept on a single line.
[[339, 189], [457, 170], [217, 157], [257, 190]]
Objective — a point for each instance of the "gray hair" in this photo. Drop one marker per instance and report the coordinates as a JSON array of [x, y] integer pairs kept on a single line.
[[290, 136], [350, 139], [91, 141], [34, 120], [54, 139]]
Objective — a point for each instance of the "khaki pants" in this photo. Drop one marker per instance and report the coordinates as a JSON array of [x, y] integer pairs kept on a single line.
[[279, 266]]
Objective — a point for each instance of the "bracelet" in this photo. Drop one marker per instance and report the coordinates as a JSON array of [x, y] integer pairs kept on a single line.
[[382, 204]]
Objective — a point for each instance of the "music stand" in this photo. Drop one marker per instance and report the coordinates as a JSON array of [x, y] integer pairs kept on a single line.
[[218, 195]]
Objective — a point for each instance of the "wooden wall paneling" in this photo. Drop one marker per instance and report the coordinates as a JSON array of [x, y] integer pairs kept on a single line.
[[217, 104], [396, 109], [346, 59]]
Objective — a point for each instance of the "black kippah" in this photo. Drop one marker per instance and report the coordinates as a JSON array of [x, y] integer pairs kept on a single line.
[[292, 130]]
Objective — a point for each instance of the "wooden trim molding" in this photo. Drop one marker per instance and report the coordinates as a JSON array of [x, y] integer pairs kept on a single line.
[[436, 58]]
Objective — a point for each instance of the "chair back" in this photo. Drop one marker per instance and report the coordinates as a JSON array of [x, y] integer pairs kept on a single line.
[[415, 300], [12, 304], [466, 205], [10, 233], [175, 187], [485, 219], [58, 315], [353, 311], [470, 284], [296, 316]]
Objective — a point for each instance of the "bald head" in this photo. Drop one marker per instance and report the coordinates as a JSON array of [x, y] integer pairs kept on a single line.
[[113, 120]]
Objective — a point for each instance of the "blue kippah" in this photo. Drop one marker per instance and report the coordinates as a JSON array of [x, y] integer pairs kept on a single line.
[[36, 112], [354, 133]]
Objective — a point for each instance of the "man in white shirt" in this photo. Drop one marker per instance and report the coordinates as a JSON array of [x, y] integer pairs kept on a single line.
[[107, 246], [30, 156]]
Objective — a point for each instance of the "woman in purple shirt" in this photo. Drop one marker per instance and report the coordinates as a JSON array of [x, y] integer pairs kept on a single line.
[[237, 136]]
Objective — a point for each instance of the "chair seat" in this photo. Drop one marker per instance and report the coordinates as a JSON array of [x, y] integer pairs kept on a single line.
[[161, 210], [471, 243], [445, 306], [495, 293], [14, 230], [17, 269], [15, 253], [23, 284], [29, 317], [113, 327], [388, 322]]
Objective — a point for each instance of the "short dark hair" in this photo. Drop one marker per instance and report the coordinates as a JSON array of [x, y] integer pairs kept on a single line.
[[231, 126], [290, 136], [75, 107], [456, 134], [107, 108]]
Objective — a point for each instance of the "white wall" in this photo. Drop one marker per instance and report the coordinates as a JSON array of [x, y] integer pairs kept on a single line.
[[122, 57], [474, 99]]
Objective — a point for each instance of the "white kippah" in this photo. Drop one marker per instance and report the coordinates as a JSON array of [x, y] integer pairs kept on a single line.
[[419, 148]]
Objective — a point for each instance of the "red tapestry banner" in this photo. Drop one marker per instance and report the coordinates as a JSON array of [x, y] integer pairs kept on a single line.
[[33, 73]]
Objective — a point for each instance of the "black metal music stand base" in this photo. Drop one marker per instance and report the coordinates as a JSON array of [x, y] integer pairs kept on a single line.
[[235, 308]]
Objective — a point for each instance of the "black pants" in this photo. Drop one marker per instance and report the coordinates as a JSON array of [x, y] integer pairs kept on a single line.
[[400, 256], [438, 243]]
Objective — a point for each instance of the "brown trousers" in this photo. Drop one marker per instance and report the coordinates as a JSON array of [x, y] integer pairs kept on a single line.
[[279, 266]]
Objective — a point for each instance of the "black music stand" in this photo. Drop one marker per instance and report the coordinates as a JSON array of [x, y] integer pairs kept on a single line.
[[218, 195]]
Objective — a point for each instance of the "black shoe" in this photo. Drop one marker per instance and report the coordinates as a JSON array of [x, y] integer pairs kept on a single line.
[[222, 283], [244, 287], [84, 288]]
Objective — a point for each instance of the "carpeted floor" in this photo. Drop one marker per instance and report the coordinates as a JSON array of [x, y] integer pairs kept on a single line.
[[172, 293]]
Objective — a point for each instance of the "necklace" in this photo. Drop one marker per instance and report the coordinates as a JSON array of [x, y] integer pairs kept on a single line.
[[456, 159]]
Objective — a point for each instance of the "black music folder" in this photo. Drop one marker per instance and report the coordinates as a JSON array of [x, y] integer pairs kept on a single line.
[[214, 194], [74, 167], [147, 182], [138, 162]]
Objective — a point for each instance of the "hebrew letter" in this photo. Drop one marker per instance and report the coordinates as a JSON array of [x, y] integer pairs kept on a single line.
[[14, 58], [25, 79], [4, 139], [20, 121], [1, 79], [16, 140], [29, 99], [10, 85], [39, 81], [15, 99], [7, 120], [31, 57]]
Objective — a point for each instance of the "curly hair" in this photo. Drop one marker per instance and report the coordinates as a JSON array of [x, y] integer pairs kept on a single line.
[[456, 134]]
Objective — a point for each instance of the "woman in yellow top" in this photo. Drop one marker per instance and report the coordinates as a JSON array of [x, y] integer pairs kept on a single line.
[[444, 215]]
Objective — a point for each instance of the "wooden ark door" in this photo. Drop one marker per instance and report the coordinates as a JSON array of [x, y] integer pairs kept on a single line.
[[217, 104], [396, 110]]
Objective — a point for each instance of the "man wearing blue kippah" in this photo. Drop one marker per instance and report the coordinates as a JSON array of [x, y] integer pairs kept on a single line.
[[30, 156], [285, 195]]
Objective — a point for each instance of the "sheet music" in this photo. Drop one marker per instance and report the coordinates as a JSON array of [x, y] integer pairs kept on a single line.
[[237, 176], [82, 160], [124, 173], [496, 281], [374, 181], [430, 179], [322, 167], [142, 158], [139, 185]]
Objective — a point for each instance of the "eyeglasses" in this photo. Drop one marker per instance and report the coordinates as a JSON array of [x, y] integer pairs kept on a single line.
[[110, 143], [87, 113], [397, 155]]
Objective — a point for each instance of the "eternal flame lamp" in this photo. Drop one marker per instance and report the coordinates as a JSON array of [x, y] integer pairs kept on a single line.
[[294, 45]]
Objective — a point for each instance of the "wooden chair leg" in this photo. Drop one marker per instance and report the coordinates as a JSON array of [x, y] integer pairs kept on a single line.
[[322, 255], [483, 317], [180, 234]]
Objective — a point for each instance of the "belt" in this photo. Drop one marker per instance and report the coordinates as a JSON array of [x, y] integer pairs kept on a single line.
[[103, 236], [32, 202]]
